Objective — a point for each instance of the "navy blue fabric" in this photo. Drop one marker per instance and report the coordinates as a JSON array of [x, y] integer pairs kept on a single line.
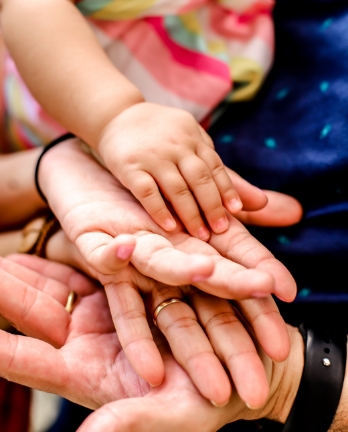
[[293, 138]]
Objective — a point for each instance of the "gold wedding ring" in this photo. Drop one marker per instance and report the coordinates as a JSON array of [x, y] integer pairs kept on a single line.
[[164, 304], [70, 303]]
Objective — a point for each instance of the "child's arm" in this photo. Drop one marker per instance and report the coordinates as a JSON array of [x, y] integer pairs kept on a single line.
[[151, 149], [64, 66]]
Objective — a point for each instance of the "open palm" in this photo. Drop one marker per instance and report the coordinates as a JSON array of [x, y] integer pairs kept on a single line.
[[77, 356]]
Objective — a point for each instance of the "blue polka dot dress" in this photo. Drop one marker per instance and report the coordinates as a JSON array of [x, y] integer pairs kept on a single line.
[[293, 138]]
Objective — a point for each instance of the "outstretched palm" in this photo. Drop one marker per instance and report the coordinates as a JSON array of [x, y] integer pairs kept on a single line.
[[86, 363], [94, 209]]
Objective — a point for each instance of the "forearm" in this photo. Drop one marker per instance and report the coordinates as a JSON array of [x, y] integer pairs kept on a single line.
[[19, 199], [64, 66]]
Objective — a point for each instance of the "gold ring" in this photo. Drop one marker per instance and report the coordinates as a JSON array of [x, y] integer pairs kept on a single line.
[[70, 303], [164, 304]]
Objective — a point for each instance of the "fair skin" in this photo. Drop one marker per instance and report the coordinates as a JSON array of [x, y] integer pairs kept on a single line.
[[122, 295], [93, 208], [161, 154], [107, 377], [19, 200]]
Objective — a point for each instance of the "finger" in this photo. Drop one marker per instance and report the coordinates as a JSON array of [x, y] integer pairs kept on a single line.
[[55, 289], [252, 197], [70, 278], [233, 346], [104, 253], [242, 248], [30, 362], [190, 347], [281, 210], [144, 187], [176, 190], [155, 256], [128, 314], [223, 182], [200, 181], [26, 308], [268, 326]]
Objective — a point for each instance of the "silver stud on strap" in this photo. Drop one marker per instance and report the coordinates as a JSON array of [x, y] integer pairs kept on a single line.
[[326, 362]]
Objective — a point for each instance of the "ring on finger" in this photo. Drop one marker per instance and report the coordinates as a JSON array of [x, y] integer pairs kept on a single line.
[[70, 303], [164, 304]]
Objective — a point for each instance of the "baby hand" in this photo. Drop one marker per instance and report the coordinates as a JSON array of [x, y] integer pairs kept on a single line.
[[162, 153]]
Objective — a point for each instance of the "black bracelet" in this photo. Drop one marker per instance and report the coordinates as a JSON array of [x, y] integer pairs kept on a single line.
[[44, 151], [321, 384]]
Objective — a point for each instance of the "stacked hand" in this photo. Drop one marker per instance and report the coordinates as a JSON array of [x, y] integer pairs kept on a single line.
[[91, 368], [94, 208]]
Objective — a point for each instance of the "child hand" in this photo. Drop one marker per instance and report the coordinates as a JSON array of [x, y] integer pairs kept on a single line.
[[162, 153]]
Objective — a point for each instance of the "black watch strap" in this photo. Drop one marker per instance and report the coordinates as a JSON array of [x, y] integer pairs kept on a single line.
[[322, 380]]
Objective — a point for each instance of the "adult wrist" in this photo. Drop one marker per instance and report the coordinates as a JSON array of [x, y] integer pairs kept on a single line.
[[294, 404], [49, 164], [286, 378], [340, 422]]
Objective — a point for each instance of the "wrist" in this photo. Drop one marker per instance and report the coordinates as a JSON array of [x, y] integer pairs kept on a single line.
[[132, 97], [48, 170], [106, 144], [286, 380], [340, 422]]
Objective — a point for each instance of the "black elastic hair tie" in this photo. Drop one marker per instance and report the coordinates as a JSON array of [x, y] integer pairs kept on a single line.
[[44, 151], [321, 384]]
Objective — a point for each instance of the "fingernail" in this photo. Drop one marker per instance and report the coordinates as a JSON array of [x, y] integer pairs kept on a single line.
[[222, 225], [259, 294], [217, 405], [124, 252], [154, 385], [203, 233], [169, 224], [235, 204]]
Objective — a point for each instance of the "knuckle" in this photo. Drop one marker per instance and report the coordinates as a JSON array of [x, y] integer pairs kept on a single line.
[[240, 354], [28, 301], [145, 189], [218, 169], [129, 315], [221, 319], [12, 347], [203, 177], [182, 192], [182, 323]]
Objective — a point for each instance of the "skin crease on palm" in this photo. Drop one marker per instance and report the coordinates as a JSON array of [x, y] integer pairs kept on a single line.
[[106, 376], [96, 209]]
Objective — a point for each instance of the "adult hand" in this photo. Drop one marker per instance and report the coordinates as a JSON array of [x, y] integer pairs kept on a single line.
[[78, 355], [93, 209], [155, 411], [224, 338], [34, 303]]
